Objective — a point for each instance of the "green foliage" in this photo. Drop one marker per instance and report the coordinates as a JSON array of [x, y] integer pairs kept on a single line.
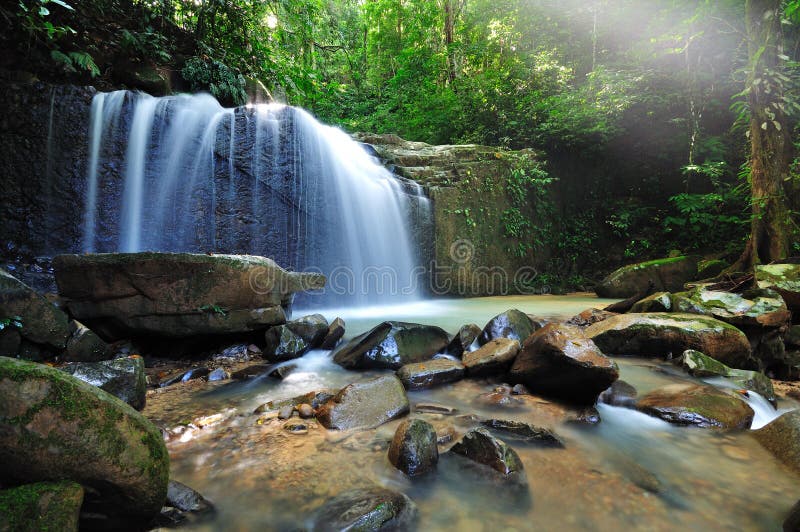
[[213, 309], [12, 322], [147, 43], [73, 61], [222, 81], [708, 221]]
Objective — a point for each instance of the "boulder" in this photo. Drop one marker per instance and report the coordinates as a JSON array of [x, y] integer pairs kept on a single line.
[[699, 365], [560, 361], [782, 438], [755, 308], [430, 373], [366, 509], [463, 339], [177, 294], [699, 405], [41, 506], [784, 279], [662, 334], [413, 449], [493, 357], [481, 447], [283, 344], [513, 324], [84, 345], [186, 499], [335, 333], [123, 378], [365, 404], [525, 432], [312, 329], [391, 345], [664, 275], [620, 393], [54, 426], [589, 316], [658, 302], [41, 322]]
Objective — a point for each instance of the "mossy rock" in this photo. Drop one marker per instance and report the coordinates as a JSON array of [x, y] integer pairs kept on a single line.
[[54, 426], [42, 322], [697, 405], [366, 509], [122, 377], [755, 308], [663, 334], [784, 279], [699, 365], [668, 275], [513, 324], [41, 506], [658, 302], [413, 449]]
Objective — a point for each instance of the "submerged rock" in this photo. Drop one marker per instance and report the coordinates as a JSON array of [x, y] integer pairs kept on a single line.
[[186, 499], [366, 509], [430, 373], [560, 361], [620, 393], [784, 279], [782, 438], [284, 344], [365, 404], [391, 345], [519, 430], [334, 333], [186, 376], [663, 334], [699, 365], [54, 426], [664, 274], [463, 339], [413, 449], [41, 506], [513, 324], [41, 322], [123, 378], [83, 345], [480, 446], [219, 374], [699, 405], [494, 357], [177, 294]]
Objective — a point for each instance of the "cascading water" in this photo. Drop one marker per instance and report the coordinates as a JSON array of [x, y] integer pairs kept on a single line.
[[182, 173]]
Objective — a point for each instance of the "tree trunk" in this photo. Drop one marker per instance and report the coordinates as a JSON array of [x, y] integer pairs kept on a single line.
[[448, 40], [771, 147]]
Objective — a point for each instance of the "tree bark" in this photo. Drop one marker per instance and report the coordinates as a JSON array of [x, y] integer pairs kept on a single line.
[[770, 143]]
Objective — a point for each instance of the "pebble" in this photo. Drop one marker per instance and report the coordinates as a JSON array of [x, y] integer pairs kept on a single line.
[[296, 427], [435, 408], [285, 412], [305, 410], [205, 421]]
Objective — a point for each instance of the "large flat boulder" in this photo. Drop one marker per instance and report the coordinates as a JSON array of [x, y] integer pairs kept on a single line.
[[391, 345], [560, 361], [784, 279], [667, 275], [661, 334], [365, 404], [54, 426], [698, 405], [177, 294], [755, 308], [42, 323]]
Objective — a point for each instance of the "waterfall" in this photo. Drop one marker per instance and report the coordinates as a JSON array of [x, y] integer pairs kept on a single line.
[[182, 173]]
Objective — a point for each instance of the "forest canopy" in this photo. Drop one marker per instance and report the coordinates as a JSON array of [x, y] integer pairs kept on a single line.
[[642, 105]]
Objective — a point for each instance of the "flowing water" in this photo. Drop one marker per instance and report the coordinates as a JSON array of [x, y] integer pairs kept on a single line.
[[182, 173], [629, 472]]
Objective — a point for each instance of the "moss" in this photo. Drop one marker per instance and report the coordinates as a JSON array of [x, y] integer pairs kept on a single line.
[[28, 507]]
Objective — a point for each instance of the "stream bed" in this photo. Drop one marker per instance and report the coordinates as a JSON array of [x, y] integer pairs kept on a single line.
[[628, 472]]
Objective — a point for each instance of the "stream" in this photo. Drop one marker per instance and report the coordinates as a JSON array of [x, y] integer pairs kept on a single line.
[[629, 472]]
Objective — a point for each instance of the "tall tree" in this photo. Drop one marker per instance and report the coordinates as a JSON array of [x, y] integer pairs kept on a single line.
[[770, 141]]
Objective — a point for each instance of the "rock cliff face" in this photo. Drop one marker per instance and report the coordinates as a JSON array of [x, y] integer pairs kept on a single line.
[[470, 247]]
